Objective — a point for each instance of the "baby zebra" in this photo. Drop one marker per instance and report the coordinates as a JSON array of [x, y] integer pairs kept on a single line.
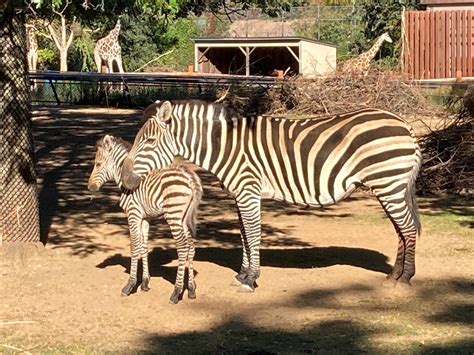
[[173, 192]]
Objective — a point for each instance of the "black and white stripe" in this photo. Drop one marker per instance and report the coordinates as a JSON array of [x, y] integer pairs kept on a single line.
[[173, 192], [313, 162]]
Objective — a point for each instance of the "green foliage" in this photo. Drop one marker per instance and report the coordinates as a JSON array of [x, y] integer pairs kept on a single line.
[[142, 39], [181, 33], [82, 53], [342, 28], [48, 58]]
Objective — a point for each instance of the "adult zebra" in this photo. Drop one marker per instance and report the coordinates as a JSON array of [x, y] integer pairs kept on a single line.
[[314, 162], [173, 192]]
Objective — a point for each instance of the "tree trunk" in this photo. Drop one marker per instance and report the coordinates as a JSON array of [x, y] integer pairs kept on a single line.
[[19, 212], [63, 59]]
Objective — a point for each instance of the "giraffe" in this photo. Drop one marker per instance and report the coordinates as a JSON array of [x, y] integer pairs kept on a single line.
[[361, 63], [108, 49], [31, 46]]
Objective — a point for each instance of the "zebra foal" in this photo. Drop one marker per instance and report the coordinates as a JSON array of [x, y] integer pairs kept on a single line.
[[173, 192], [313, 162]]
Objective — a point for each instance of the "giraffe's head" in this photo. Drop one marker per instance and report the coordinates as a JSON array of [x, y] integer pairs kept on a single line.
[[117, 25], [386, 37]]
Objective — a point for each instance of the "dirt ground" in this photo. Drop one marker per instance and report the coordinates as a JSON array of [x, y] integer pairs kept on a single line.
[[319, 292]]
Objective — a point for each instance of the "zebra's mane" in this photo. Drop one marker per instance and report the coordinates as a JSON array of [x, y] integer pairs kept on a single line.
[[118, 141], [150, 110]]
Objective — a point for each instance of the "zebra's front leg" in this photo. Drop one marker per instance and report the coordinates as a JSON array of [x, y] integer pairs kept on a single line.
[[249, 205], [134, 226], [145, 272]]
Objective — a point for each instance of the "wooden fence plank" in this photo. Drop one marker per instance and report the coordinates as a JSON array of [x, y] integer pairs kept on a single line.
[[444, 44], [412, 44], [421, 48], [457, 30], [432, 53], [439, 39], [416, 57], [463, 39], [427, 45], [469, 43]]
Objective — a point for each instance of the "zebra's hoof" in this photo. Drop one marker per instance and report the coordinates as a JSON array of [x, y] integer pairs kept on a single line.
[[144, 286], [127, 290], [244, 288], [236, 282], [192, 294], [175, 296]]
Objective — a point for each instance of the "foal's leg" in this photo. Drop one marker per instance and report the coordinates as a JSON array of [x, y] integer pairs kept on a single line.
[[134, 226], [144, 256], [191, 253]]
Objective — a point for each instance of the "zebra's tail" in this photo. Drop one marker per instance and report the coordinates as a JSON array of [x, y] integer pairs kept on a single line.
[[410, 191], [191, 213]]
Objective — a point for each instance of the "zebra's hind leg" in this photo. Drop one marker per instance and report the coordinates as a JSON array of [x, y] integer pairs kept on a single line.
[[404, 217], [182, 248], [144, 248], [191, 253], [135, 253], [245, 267], [249, 207]]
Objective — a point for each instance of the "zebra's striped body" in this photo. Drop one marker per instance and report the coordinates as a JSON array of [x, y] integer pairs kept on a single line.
[[173, 192], [314, 162]]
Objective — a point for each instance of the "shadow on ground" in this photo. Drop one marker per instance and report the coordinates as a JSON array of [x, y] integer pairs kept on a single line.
[[301, 258], [238, 333]]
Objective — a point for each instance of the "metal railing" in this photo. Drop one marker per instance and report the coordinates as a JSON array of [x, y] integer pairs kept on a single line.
[[100, 88]]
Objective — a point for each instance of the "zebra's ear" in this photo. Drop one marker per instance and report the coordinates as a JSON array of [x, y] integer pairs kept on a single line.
[[109, 142], [165, 112]]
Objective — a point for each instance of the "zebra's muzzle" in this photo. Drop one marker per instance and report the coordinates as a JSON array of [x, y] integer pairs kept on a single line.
[[129, 179], [92, 187]]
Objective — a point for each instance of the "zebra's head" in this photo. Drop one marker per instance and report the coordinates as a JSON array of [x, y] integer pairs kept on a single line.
[[104, 164], [154, 146]]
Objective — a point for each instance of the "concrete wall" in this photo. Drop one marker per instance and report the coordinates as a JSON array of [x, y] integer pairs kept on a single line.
[[317, 59]]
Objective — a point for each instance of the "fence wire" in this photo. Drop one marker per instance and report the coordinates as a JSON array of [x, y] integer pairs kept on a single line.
[[19, 218]]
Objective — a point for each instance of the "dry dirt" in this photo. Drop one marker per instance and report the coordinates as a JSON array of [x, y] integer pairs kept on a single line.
[[319, 292]]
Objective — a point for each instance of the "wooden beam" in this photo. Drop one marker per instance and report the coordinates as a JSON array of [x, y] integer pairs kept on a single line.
[[293, 54], [203, 53]]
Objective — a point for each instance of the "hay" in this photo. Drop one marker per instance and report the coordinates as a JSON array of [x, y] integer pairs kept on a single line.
[[340, 93]]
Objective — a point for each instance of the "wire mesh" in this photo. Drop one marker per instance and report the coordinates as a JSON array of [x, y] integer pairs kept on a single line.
[[19, 217]]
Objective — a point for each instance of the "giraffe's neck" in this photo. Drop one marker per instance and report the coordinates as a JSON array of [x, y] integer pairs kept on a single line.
[[374, 49]]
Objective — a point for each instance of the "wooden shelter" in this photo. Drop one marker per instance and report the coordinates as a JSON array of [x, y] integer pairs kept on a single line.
[[263, 56]]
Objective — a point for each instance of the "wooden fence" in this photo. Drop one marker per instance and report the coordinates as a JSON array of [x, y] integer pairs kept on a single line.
[[438, 44]]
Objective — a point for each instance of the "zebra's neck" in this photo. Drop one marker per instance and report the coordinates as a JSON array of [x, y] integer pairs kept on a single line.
[[211, 137], [198, 129], [119, 154]]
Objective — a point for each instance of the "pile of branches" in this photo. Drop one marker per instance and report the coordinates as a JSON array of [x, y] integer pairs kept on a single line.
[[347, 92], [449, 153]]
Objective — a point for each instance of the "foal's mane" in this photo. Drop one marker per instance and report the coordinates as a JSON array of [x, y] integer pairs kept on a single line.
[[118, 141]]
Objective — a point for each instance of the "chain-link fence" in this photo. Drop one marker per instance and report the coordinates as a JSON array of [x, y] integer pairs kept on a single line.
[[339, 25], [19, 217]]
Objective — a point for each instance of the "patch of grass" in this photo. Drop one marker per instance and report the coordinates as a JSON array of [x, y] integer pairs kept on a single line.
[[449, 215]]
